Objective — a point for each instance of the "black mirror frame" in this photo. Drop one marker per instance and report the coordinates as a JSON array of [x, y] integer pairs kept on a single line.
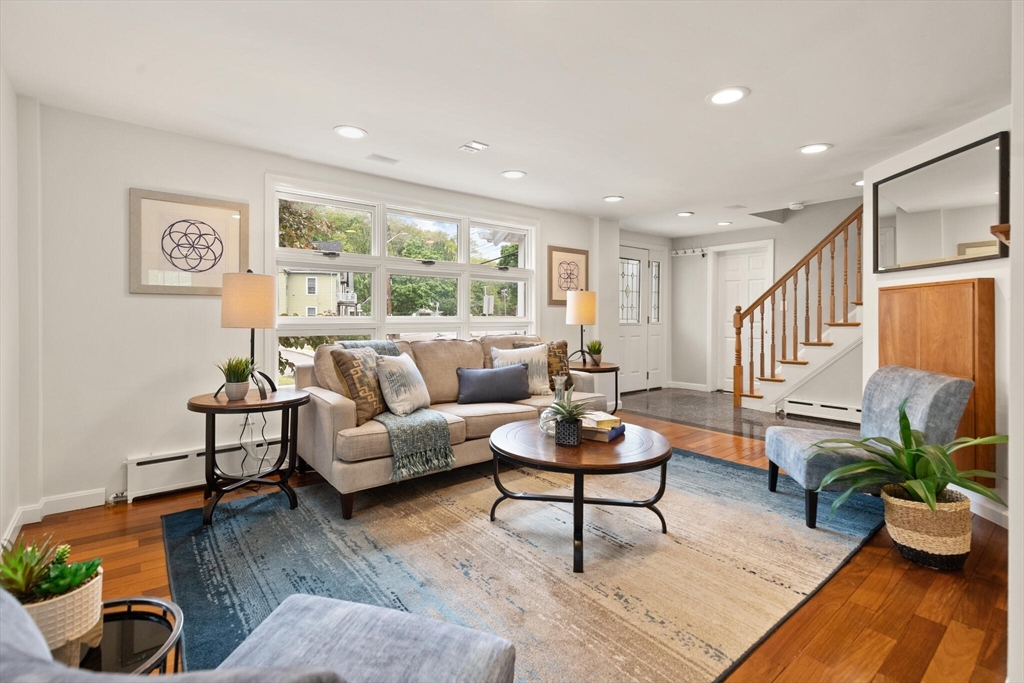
[[1004, 202]]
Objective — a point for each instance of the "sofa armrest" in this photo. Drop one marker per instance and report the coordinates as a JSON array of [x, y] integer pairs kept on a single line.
[[582, 381], [320, 420], [304, 376]]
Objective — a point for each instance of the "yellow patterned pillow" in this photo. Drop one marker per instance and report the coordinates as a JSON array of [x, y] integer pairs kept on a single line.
[[358, 367]]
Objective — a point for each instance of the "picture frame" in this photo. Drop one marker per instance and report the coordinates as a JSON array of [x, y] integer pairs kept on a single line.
[[568, 270], [180, 244]]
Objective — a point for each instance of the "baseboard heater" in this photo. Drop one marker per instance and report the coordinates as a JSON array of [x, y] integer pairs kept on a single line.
[[160, 473], [827, 411]]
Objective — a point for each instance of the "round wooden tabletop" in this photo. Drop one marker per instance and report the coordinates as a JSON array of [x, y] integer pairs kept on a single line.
[[637, 449], [590, 367], [252, 403]]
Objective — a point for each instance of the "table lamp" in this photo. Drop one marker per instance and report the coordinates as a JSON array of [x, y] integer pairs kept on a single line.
[[250, 300], [581, 309]]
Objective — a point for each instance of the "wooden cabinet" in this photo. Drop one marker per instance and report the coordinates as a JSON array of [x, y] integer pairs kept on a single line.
[[947, 327]]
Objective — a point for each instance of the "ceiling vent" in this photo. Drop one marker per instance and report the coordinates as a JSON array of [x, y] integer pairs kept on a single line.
[[473, 147], [735, 207], [383, 159]]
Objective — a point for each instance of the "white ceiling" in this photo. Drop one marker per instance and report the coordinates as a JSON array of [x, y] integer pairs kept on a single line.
[[589, 99]]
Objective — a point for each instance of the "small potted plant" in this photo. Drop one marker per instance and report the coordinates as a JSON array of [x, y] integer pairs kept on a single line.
[[929, 523], [594, 348], [237, 372], [568, 420], [64, 599]]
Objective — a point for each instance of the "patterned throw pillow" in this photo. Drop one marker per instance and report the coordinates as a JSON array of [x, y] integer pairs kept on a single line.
[[558, 359], [358, 367], [403, 387], [536, 359]]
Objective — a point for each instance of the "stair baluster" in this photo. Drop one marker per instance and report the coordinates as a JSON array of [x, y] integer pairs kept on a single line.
[[762, 339], [832, 277], [807, 302], [784, 309], [796, 324], [772, 359], [846, 263], [818, 316], [751, 355], [860, 247]]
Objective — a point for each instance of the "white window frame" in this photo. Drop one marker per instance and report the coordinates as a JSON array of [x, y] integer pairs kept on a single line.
[[315, 287], [381, 266], [310, 308]]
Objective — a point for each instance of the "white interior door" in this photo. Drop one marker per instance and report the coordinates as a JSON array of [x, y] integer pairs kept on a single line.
[[634, 295], [742, 277], [656, 311]]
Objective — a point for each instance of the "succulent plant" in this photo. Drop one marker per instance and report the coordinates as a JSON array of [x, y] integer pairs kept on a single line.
[[39, 571], [595, 346], [567, 410], [61, 554]]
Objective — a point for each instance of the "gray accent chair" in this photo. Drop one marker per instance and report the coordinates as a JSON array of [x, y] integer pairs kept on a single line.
[[307, 639], [936, 404]]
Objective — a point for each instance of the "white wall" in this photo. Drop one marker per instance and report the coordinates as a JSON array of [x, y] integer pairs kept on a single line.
[[918, 235], [116, 369], [9, 372], [969, 224], [998, 269], [800, 231]]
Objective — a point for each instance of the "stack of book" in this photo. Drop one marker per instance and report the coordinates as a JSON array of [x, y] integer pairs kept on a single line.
[[599, 426]]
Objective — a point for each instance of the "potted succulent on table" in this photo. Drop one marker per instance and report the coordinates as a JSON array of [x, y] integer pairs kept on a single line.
[[568, 416], [594, 348], [237, 372], [64, 599], [929, 523]]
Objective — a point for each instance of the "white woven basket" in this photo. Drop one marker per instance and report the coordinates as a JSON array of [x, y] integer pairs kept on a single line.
[[71, 615]]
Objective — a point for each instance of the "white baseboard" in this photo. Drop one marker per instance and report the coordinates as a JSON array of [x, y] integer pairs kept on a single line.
[[50, 505], [987, 509], [687, 385]]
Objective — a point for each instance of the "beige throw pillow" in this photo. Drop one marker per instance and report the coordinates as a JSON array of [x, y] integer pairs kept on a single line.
[[536, 359], [358, 367]]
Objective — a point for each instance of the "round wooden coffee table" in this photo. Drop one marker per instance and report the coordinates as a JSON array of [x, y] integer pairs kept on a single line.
[[524, 444]]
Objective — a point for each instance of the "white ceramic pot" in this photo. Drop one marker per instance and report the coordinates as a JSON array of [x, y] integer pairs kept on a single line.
[[69, 616], [597, 358], [236, 391]]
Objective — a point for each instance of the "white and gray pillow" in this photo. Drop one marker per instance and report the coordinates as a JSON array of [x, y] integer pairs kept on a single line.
[[536, 359], [403, 387]]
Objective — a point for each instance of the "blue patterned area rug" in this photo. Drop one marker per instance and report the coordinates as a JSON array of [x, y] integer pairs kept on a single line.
[[682, 606]]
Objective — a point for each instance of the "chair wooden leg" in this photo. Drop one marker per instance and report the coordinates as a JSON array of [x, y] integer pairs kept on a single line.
[[347, 501], [811, 508], [773, 476]]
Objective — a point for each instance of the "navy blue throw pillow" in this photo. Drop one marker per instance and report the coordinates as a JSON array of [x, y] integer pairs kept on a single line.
[[494, 385]]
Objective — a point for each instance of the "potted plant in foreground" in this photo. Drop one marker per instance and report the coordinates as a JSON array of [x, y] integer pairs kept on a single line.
[[64, 599], [929, 523], [237, 372], [568, 420], [594, 348]]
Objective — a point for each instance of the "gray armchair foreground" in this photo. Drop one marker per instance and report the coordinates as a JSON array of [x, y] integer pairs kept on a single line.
[[307, 639], [935, 407]]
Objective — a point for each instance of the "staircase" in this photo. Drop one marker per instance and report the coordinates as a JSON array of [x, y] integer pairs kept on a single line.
[[774, 356]]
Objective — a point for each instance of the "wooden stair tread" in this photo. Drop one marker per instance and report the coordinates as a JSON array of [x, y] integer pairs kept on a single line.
[[794, 362], [816, 343], [839, 323], [771, 379], [746, 395], [857, 303]]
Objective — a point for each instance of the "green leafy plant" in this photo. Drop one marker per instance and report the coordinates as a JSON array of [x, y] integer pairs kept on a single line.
[[567, 410], [237, 369], [924, 470], [40, 571], [595, 346]]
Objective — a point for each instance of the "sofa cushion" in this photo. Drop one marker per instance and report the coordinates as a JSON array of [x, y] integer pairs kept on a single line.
[[483, 418], [591, 400], [326, 370], [402, 384], [358, 367], [558, 360], [494, 385], [369, 441], [438, 359], [536, 357], [504, 342]]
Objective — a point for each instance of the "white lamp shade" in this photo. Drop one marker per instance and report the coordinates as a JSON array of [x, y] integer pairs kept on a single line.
[[580, 308], [248, 300]]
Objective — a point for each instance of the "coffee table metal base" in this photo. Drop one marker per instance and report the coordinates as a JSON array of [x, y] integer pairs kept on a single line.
[[578, 500]]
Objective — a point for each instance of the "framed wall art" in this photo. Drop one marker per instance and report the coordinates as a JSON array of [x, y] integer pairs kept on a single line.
[[568, 271], [184, 245]]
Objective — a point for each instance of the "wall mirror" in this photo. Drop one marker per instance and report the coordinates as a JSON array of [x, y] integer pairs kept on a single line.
[[941, 211]]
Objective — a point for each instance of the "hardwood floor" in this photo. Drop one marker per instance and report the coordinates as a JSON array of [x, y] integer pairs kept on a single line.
[[880, 618]]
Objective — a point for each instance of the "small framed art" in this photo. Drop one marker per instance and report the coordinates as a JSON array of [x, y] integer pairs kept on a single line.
[[568, 271]]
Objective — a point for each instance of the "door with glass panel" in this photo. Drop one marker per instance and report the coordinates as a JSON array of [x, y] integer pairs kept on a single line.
[[634, 296]]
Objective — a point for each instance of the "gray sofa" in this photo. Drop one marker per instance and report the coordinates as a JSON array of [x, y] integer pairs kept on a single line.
[[935, 407], [307, 639], [356, 458]]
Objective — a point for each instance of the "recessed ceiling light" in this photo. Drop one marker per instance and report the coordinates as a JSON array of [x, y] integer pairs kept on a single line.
[[614, 198], [997, 148], [728, 95], [816, 148], [685, 214], [725, 223], [350, 132], [859, 183], [513, 175]]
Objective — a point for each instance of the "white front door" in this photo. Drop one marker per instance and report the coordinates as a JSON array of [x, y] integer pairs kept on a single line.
[[634, 295], [742, 277]]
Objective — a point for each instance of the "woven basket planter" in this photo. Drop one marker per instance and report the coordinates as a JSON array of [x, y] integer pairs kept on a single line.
[[939, 539], [568, 433], [69, 616]]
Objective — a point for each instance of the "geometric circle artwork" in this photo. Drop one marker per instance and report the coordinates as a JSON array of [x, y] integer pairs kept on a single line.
[[192, 246], [568, 276]]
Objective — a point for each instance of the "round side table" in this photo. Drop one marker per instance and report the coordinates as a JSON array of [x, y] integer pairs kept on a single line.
[[599, 370], [138, 635]]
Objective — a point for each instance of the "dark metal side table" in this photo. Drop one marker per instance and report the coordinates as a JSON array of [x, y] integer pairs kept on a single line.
[[600, 370], [217, 481], [138, 636]]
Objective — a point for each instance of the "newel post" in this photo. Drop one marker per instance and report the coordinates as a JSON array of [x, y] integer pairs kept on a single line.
[[737, 369]]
